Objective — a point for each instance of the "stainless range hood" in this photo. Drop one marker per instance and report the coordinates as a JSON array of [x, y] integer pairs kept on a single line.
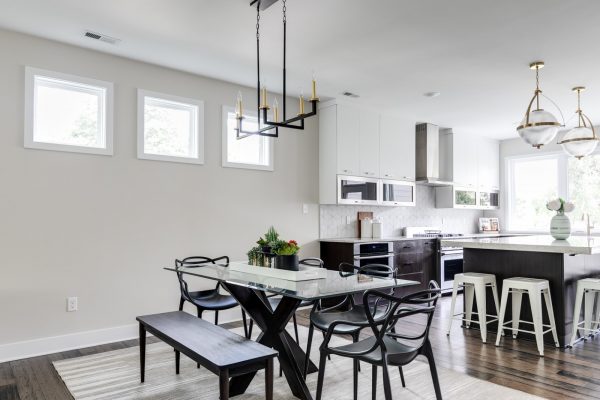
[[428, 158]]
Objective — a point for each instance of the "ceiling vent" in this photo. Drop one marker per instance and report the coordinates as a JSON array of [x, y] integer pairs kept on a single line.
[[350, 94], [101, 37]]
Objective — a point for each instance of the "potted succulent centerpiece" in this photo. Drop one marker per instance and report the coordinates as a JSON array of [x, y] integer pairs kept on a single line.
[[560, 225], [286, 255]]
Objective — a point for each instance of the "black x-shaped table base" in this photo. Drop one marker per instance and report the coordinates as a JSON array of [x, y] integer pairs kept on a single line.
[[272, 324]]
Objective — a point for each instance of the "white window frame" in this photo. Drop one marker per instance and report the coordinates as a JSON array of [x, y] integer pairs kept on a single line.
[[142, 94], [510, 183], [30, 97], [225, 163]]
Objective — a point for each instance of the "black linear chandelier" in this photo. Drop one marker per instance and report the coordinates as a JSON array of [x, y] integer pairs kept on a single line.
[[266, 127]]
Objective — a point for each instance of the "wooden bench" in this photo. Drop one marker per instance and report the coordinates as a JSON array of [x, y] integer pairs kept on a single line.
[[220, 351]]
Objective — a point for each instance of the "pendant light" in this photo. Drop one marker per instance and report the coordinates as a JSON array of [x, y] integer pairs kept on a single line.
[[539, 127], [581, 140], [266, 127]]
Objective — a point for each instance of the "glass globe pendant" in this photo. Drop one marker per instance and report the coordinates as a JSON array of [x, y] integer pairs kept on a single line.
[[539, 127], [581, 140]]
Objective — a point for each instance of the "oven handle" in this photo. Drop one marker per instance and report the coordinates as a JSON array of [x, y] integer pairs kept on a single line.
[[387, 255], [451, 253]]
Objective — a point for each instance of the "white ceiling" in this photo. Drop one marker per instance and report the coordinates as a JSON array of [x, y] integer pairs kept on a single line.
[[391, 52]]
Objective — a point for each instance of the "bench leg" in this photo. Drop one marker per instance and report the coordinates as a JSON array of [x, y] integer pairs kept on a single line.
[[224, 385], [269, 380], [177, 358], [142, 352]]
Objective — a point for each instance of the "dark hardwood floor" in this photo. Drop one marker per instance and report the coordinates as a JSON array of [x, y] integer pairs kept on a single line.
[[561, 374]]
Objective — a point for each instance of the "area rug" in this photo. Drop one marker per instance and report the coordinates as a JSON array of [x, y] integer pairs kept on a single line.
[[115, 375]]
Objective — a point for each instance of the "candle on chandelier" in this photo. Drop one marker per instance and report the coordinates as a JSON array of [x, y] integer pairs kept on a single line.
[[239, 108], [314, 88], [276, 110], [301, 103], [264, 97]]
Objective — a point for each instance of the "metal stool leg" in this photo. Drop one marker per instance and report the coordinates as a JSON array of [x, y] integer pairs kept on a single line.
[[576, 313], [517, 299], [501, 314], [550, 309]]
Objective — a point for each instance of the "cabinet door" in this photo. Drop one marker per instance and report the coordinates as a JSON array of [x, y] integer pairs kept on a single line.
[[465, 160], [369, 144], [396, 148], [429, 259], [488, 165], [348, 124]]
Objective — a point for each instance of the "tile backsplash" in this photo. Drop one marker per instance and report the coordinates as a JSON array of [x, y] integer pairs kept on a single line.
[[333, 218]]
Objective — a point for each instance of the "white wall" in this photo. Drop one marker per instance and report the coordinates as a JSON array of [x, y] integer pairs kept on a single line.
[[101, 228]]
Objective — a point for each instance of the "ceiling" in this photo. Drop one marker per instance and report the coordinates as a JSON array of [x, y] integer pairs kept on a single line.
[[390, 52]]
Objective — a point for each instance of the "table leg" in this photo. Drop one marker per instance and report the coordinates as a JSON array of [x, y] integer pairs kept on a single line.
[[273, 323]]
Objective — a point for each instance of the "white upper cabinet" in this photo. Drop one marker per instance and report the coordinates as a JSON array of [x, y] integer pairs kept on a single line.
[[396, 148], [464, 160], [359, 144], [488, 164], [348, 144], [368, 144]]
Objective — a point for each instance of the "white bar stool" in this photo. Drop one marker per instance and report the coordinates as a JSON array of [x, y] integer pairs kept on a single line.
[[536, 288], [588, 288], [474, 283]]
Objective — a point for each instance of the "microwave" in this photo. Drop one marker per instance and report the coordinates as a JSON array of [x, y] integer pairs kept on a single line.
[[373, 191], [489, 199]]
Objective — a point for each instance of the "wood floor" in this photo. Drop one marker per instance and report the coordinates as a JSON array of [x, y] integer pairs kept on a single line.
[[561, 374]]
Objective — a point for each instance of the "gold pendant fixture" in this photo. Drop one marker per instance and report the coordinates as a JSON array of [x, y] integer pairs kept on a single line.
[[581, 140], [539, 127]]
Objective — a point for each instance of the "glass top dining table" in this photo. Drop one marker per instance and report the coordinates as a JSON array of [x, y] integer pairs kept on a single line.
[[251, 291], [334, 284]]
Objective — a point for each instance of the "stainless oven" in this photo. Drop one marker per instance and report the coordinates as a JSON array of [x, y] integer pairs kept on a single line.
[[374, 253], [451, 263]]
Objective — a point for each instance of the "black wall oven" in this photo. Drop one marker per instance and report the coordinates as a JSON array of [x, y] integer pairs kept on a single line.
[[374, 253]]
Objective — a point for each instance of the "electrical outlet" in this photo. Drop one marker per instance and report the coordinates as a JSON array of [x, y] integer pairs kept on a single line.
[[72, 304], [348, 220], [305, 208]]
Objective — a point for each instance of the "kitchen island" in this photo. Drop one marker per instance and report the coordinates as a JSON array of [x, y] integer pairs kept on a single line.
[[561, 262]]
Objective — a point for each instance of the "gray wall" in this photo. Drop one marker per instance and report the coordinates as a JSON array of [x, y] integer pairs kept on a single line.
[[333, 219], [101, 228]]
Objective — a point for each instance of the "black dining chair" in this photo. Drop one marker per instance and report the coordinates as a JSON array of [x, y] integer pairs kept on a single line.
[[385, 348], [275, 300], [322, 318], [207, 300]]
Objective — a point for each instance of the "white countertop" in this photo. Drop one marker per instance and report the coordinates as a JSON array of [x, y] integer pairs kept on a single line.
[[537, 243], [400, 238]]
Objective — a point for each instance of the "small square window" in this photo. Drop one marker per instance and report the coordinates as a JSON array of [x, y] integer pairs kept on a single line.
[[253, 152], [170, 128], [67, 113]]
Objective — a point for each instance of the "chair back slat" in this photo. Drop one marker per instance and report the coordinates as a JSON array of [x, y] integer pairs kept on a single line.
[[396, 310], [313, 262], [193, 262]]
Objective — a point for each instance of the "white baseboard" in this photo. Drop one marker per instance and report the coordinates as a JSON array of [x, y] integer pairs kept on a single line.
[[55, 344]]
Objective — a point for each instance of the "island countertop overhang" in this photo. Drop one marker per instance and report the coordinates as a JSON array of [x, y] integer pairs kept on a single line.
[[534, 243]]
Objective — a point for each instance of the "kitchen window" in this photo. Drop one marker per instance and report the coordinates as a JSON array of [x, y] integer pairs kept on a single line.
[[254, 152], [533, 180], [67, 113], [170, 128]]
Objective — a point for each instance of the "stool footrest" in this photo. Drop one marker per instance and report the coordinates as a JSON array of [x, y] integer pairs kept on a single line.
[[526, 331]]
